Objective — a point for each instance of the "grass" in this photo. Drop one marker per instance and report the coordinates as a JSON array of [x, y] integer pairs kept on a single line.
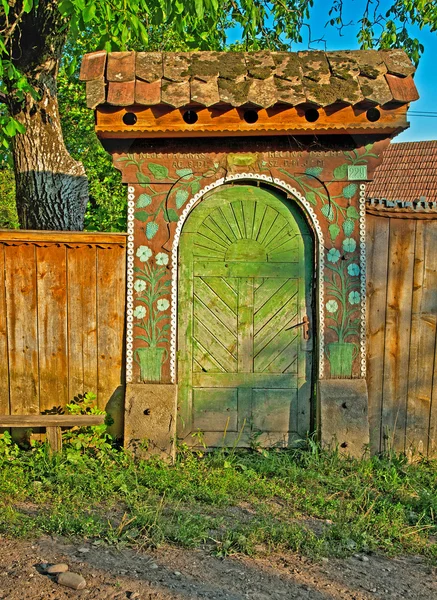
[[312, 501]]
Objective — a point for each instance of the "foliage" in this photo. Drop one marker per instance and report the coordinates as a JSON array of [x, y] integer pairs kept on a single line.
[[310, 500], [8, 211]]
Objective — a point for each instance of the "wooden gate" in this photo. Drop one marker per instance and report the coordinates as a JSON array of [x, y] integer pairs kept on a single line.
[[244, 349]]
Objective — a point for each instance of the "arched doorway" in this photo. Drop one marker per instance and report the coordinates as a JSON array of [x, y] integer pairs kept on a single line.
[[245, 320]]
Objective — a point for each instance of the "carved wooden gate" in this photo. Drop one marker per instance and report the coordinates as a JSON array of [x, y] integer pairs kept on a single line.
[[245, 307]]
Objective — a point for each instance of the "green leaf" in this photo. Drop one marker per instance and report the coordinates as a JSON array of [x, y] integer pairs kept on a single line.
[[352, 212], [89, 13], [151, 229], [314, 171], [185, 173], [328, 212], [348, 227], [142, 215], [158, 171], [311, 197], [340, 172], [181, 198], [334, 230], [171, 216], [144, 200], [195, 187], [142, 178], [350, 190]]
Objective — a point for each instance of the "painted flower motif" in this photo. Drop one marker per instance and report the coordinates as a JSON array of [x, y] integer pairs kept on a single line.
[[140, 285], [144, 253], [162, 304], [140, 312], [354, 298], [162, 258], [333, 255], [332, 306], [349, 245], [353, 270]]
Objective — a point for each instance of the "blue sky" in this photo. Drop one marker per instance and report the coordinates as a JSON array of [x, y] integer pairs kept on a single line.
[[421, 128]]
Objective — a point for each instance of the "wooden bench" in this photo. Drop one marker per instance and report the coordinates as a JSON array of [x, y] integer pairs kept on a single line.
[[53, 424]]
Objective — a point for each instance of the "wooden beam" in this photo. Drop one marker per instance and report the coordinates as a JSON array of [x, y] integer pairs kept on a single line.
[[62, 237], [31, 421]]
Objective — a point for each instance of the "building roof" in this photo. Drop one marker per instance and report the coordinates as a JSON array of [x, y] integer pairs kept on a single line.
[[261, 79], [407, 173]]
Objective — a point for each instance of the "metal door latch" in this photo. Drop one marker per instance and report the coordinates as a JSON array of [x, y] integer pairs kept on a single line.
[[306, 327]]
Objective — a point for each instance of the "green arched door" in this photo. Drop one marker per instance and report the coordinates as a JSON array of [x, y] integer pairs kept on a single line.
[[244, 297]]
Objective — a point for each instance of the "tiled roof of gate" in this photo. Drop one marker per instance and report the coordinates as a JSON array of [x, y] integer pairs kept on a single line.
[[407, 173], [248, 78]]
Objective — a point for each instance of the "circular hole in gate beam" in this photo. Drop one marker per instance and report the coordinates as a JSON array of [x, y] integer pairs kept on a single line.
[[311, 115], [190, 117], [250, 116], [129, 118], [373, 115]]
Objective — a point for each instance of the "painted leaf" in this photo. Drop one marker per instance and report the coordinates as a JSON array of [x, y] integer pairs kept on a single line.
[[142, 178], [350, 190], [181, 198], [352, 212], [144, 200], [311, 197], [340, 172], [334, 230], [348, 227], [315, 171], [151, 229], [158, 171], [184, 173], [328, 212], [195, 187], [142, 215], [171, 215]]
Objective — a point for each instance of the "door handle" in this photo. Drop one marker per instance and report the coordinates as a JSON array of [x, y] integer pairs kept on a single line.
[[306, 327]]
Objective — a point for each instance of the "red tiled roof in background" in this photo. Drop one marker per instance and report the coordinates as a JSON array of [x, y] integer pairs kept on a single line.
[[408, 172]]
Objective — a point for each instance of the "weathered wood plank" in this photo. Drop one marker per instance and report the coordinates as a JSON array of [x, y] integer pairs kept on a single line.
[[245, 325], [4, 359], [397, 337], [62, 237], [21, 300], [245, 269], [243, 380], [82, 320], [378, 233], [111, 297], [51, 420], [52, 326]]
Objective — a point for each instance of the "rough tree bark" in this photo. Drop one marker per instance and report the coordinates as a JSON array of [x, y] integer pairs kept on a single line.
[[51, 187]]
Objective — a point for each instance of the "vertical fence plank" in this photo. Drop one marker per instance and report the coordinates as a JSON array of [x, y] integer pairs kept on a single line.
[[82, 320], [52, 326], [397, 338], [378, 231], [111, 295], [21, 301], [4, 360], [423, 334]]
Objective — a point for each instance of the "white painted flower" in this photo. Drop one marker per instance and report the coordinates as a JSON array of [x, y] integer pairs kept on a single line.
[[140, 285], [162, 304], [354, 298], [353, 270], [332, 306], [144, 253], [140, 312], [162, 258]]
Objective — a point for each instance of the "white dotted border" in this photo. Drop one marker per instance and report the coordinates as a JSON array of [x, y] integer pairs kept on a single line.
[[306, 206], [363, 260], [130, 283]]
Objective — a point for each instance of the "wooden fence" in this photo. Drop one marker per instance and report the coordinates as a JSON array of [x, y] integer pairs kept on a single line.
[[402, 325], [62, 307]]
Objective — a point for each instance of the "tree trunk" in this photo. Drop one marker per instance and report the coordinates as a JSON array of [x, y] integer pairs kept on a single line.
[[51, 187]]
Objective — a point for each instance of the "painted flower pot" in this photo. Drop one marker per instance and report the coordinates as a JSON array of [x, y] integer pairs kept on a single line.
[[341, 356], [150, 361]]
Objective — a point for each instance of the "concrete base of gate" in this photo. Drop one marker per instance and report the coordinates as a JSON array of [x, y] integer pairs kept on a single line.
[[343, 416], [150, 419]]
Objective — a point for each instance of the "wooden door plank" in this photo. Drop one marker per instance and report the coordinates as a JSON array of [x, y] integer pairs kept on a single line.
[[215, 236], [82, 319], [278, 230], [229, 216], [398, 326], [237, 209], [278, 355], [222, 225], [216, 350], [215, 328], [216, 227], [205, 241], [224, 290], [245, 325], [249, 217], [5, 407], [21, 299], [266, 289], [378, 234], [52, 326], [214, 268], [270, 217], [244, 380], [205, 296], [111, 297], [276, 303], [260, 210]]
